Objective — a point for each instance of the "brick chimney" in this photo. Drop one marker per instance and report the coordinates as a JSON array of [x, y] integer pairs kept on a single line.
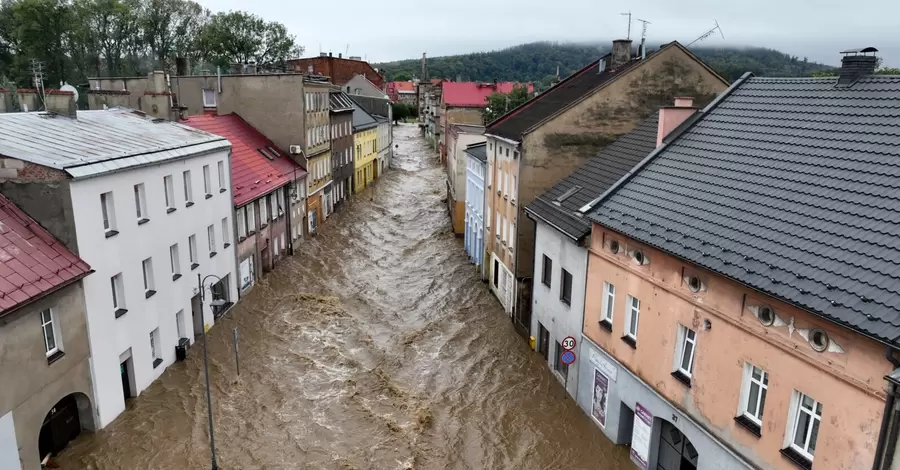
[[60, 102], [671, 117], [857, 64], [621, 52]]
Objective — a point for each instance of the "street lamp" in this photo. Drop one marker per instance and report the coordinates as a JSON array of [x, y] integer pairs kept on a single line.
[[213, 303]]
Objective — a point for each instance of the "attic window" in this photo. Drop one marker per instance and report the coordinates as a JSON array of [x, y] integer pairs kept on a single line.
[[818, 339], [266, 153], [568, 194], [273, 151], [766, 315]]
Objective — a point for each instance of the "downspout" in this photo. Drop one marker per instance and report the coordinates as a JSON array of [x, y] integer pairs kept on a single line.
[[884, 450]]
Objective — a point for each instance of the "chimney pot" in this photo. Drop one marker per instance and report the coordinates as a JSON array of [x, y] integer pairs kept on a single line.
[[621, 52], [856, 64], [684, 102], [671, 117]]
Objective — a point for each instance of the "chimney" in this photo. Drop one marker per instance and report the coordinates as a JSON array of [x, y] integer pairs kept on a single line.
[[60, 102], [340, 55], [671, 117], [621, 52], [856, 64], [329, 55], [182, 66], [158, 81]]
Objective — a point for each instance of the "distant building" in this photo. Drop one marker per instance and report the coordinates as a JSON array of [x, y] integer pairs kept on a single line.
[[47, 394], [317, 107], [359, 85], [459, 137], [382, 111], [365, 148], [401, 92], [147, 203], [341, 146], [476, 167], [338, 69]]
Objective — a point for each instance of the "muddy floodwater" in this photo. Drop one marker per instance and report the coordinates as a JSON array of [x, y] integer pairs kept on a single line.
[[376, 346]]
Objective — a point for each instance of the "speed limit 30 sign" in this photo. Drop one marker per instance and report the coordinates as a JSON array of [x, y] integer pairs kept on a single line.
[[568, 343]]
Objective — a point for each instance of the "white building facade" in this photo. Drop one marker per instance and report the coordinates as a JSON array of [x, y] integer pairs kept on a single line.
[[476, 167], [384, 142]]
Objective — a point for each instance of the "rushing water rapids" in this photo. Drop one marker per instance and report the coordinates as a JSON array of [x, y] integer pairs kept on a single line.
[[376, 346]]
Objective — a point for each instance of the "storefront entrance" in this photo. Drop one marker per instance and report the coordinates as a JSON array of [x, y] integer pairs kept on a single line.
[[61, 425], [675, 450]]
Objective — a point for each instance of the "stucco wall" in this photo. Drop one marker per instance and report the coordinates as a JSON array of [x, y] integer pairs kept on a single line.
[[31, 386], [43, 193], [847, 383], [559, 319]]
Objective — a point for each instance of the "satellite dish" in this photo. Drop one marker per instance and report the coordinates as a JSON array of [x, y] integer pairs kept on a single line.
[[70, 88]]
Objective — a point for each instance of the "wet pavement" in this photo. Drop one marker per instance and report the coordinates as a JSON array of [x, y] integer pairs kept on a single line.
[[376, 346]]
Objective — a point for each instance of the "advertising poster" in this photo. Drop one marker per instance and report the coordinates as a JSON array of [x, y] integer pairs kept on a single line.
[[640, 437], [601, 393]]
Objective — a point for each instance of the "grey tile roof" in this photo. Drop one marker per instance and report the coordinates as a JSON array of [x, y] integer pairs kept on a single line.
[[361, 119], [790, 186], [593, 178], [98, 142], [478, 151]]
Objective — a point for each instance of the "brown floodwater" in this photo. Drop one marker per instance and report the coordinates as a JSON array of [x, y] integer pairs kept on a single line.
[[376, 346]]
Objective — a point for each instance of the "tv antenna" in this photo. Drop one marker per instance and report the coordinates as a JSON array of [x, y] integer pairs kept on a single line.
[[629, 23], [643, 29], [708, 34]]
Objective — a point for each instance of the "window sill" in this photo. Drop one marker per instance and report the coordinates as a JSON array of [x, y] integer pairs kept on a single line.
[[176, 277], [111, 233], [749, 425], [797, 458], [262, 226], [211, 254], [545, 284], [149, 293], [630, 341], [226, 245], [605, 325], [55, 357], [156, 363], [171, 210], [682, 377], [188, 204], [143, 221], [194, 266], [252, 232], [222, 190], [240, 239], [567, 303], [208, 196], [120, 312]]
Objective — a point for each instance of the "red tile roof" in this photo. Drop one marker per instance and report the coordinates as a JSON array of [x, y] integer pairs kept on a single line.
[[33, 263], [404, 87], [252, 174], [474, 95]]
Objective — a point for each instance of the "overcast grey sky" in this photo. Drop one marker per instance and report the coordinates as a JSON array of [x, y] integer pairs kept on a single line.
[[383, 31]]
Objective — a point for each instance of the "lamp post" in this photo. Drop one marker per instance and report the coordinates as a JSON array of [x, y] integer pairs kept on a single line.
[[213, 303]]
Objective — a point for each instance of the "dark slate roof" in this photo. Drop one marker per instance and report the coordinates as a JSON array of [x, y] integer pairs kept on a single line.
[[361, 119], [593, 178], [790, 186], [478, 151], [517, 122]]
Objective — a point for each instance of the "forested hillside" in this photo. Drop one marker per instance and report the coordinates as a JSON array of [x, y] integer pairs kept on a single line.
[[537, 62]]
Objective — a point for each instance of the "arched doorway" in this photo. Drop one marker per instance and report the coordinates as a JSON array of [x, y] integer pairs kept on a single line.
[[675, 450], [63, 423]]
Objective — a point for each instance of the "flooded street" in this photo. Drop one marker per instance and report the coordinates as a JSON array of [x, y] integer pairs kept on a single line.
[[375, 347]]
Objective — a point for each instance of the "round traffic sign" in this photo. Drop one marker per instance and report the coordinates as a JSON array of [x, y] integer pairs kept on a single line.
[[568, 357], [568, 343]]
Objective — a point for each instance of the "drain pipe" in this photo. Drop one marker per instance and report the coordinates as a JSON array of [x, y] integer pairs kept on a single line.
[[884, 450]]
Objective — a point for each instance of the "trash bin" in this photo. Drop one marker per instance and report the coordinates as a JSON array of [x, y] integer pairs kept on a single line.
[[181, 349]]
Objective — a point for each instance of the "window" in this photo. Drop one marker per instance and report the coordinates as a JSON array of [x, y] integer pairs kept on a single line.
[[175, 261], [169, 187], [179, 324], [632, 314], [154, 348], [147, 268], [547, 271], [684, 360], [273, 207], [140, 203], [209, 98], [263, 211], [192, 249], [109, 214], [225, 231], [565, 287], [512, 235], [251, 219], [280, 199], [804, 425], [207, 184], [241, 223], [222, 179], [188, 190], [559, 365], [51, 335], [118, 294], [753, 395], [211, 234]]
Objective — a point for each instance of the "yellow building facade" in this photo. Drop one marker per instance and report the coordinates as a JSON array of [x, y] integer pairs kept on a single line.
[[365, 143]]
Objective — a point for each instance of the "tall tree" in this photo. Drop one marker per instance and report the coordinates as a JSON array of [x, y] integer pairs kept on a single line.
[[171, 29], [240, 37], [41, 29]]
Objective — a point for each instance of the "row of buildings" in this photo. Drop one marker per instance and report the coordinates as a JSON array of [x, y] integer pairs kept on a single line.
[[719, 258], [128, 229]]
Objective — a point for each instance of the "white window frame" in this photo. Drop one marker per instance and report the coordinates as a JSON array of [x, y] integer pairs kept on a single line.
[[273, 210], [221, 168], [263, 211], [686, 338], [180, 327], [117, 287], [209, 98], [632, 315], [169, 188], [140, 202], [147, 271], [279, 197], [225, 230], [188, 188], [207, 181], [174, 260], [211, 235], [763, 386], [192, 249], [251, 218], [241, 223], [609, 302], [108, 208], [794, 419], [154, 345], [50, 325]]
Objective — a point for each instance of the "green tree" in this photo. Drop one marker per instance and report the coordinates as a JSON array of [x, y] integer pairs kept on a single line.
[[501, 103], [240, 37], [171, 29], [400, 111], [39, 29], [402, 77]]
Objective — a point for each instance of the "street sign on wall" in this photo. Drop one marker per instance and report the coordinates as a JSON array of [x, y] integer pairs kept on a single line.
[[567, 357], [568, 343]]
